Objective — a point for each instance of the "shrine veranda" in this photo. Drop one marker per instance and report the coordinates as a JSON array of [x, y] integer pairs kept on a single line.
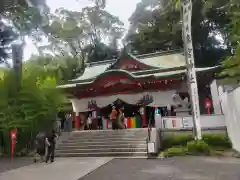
[[144, 83]]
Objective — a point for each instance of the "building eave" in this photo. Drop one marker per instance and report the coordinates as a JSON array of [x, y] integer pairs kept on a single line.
[[155, 73]]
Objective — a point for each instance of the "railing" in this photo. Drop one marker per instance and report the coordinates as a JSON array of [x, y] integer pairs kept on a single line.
[[148, 139]]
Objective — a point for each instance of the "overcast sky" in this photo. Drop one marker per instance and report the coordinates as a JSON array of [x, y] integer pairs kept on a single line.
[[121, 8]]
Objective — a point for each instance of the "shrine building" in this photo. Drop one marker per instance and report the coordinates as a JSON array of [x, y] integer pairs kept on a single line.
[[141, 83]]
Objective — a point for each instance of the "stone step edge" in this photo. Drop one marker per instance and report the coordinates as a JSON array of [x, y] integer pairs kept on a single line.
[[101, 145], [100, 154], [104, 136], [100, 149], [110, 130], [109, 139], [103, 142]]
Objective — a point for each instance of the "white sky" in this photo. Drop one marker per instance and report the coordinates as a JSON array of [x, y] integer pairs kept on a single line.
[[121, 8]]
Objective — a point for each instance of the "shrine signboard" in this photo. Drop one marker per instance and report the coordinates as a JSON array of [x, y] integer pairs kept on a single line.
[[187, 38]]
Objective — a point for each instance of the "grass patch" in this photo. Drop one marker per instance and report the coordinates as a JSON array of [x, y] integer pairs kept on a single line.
[[198, 148], [176, 140], [174, 151], [183, 144], [217, 141]]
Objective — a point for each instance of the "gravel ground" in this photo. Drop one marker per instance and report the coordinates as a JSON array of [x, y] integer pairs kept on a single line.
[[184, 168]]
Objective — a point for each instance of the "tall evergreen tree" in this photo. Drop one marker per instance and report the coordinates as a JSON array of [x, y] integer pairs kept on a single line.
[[161, 29]]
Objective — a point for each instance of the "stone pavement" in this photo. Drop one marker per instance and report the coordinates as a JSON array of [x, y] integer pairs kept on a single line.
[[61, 169], [178, 168], [184, 168], [7, 165]]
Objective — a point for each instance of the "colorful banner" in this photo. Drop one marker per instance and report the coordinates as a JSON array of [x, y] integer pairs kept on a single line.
[[138, 122], [133, 122]]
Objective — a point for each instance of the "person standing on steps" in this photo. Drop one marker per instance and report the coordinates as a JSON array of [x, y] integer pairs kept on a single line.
[[113, 118], [68, 123], [89, 122], [121, 123], [58, 125], [51, 143]]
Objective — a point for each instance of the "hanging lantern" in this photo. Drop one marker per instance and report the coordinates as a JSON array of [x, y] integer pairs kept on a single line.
[[208, 105]]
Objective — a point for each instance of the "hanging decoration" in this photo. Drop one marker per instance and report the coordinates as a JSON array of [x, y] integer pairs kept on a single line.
[[92, 105], [145, 100]]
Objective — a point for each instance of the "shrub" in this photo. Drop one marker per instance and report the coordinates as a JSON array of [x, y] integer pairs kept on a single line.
[[217, 153], [174, 151], [176, 140], [217, 140], [198, 147]]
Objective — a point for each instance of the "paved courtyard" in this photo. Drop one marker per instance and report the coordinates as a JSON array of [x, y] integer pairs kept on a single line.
[[186, 168], [180, 168], [61, 169], [7, 165]]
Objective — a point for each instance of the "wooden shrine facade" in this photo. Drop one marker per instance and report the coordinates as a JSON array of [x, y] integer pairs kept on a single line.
[[130, 78]]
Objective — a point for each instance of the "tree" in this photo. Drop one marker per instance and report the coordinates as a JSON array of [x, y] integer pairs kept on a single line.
[[85, 34], [31, 109], [26, 17], [161, 30], [7, 35], [231, 65], [6, 5], [64, 68]]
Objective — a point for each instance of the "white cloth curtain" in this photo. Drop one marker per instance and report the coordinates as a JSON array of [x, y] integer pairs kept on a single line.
[[160, 98]]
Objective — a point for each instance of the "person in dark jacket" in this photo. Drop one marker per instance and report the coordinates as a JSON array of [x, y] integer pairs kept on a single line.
[[40, 146], [51, 142]]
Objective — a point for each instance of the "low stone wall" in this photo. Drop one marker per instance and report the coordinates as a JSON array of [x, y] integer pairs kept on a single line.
[[164, 133]]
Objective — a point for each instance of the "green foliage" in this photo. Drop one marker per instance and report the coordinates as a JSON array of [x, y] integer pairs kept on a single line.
[[231, 65], [156, 26], [85, 32], [174, 151], [64, 68], [176, 140], [198, 147], [183, 144], [217, 140], [231, 68], [27, 17], [217, 153], [30, 109], [7, 36]]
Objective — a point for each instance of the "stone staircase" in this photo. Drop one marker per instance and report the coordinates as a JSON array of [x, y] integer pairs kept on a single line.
[[122, 143]]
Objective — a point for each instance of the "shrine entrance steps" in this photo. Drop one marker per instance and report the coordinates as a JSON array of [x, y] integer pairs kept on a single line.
[[103, 143]]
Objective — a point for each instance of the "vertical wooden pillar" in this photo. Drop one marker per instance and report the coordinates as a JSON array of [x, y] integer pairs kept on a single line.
[[77, 120]]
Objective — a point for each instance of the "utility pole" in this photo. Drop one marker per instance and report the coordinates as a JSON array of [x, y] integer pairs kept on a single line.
[[186, 12]]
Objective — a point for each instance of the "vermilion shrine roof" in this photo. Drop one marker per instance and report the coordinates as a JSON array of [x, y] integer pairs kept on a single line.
[[155, 65]]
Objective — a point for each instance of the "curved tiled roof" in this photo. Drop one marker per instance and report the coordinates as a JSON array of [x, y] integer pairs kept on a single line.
[[93, 72], [159, 74], [154, 60]]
